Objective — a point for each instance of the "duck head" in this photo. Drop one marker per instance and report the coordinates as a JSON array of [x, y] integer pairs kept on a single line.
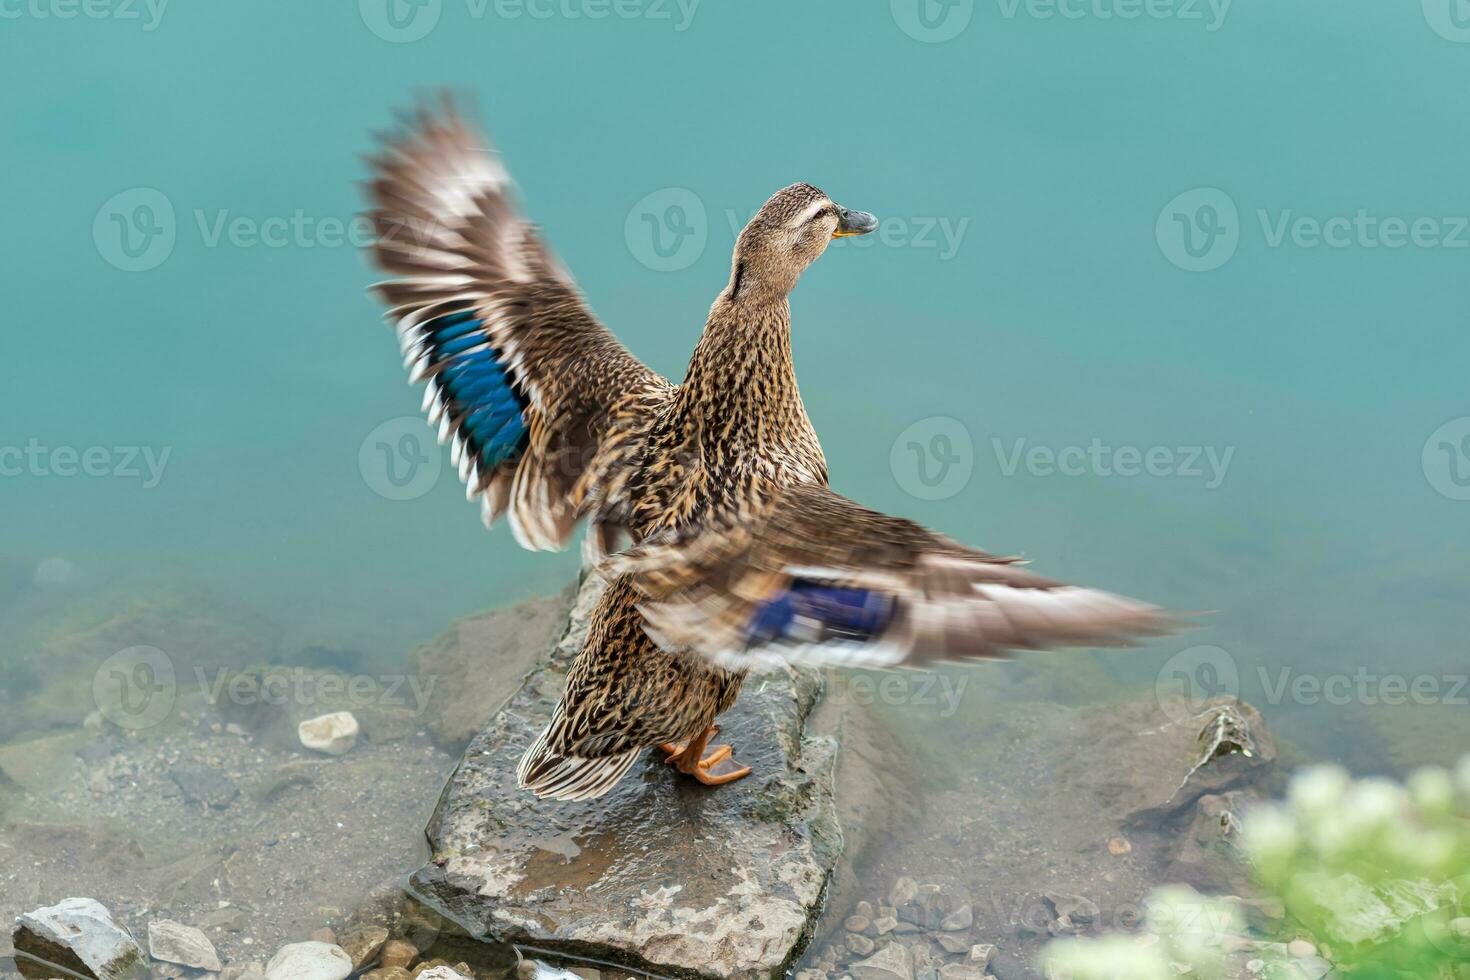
[[786, 235]]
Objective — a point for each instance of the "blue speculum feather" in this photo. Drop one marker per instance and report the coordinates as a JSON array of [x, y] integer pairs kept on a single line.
[[811, 612], [478, 388]]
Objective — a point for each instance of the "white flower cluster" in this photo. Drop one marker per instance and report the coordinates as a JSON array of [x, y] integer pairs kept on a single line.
[[1379, 873]]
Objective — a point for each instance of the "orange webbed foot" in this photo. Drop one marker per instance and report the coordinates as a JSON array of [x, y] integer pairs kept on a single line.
[[690, 758]]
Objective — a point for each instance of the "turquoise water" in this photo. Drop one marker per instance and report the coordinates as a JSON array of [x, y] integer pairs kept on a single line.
[[1229, 242]]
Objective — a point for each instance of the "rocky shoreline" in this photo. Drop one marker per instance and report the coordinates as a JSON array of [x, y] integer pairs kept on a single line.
[[238, 828]]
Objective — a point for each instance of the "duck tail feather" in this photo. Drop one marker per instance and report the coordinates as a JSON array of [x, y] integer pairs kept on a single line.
[[550, 775]]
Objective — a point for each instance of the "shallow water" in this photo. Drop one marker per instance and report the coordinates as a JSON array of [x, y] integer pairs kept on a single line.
[[1173, 304]]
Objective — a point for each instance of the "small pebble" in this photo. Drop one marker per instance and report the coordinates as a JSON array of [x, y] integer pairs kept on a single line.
[[332, 734], [1315, 967], [960, 919], [1300, 948], [857, 923], [904, 890], [885, 924], [861, 945], [961, 971], [388, 973], [398, 952]]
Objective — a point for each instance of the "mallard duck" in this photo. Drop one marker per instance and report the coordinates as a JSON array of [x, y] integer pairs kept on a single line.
[[707, 501]]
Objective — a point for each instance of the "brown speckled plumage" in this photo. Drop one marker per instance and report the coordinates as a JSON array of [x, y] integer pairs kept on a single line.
[[719, 483]]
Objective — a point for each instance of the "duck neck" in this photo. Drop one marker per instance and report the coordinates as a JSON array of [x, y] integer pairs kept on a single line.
[[741, 384]]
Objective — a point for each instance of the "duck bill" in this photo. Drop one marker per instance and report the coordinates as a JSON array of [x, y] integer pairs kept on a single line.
[[854, 223]]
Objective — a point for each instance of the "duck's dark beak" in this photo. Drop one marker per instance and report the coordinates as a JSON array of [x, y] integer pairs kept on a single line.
[[853, 223]]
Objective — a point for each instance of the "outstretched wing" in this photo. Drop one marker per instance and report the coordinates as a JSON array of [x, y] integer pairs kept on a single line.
[[820, 579], [530, 390]]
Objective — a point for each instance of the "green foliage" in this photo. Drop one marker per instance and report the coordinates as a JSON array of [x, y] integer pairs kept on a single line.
[[1377, 872]]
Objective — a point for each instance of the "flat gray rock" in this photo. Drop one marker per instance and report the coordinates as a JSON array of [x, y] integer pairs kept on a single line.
[[174, 942], [79, 935], [662, 874]]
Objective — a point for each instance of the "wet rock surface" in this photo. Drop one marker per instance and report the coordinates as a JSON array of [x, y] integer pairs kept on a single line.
[[661, 874], [1063, 820]]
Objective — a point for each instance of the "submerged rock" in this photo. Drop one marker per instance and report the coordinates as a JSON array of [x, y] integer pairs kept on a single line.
[[889, 963], [334, 734], [363, 943], [174, 942], [478, 662], [442, 973], [203, 785], [309, 961], [80, 935], [661, 874], [398, 953]]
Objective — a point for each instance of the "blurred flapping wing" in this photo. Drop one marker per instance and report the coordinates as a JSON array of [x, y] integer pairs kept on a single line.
[[820, 579], [525, 384]]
